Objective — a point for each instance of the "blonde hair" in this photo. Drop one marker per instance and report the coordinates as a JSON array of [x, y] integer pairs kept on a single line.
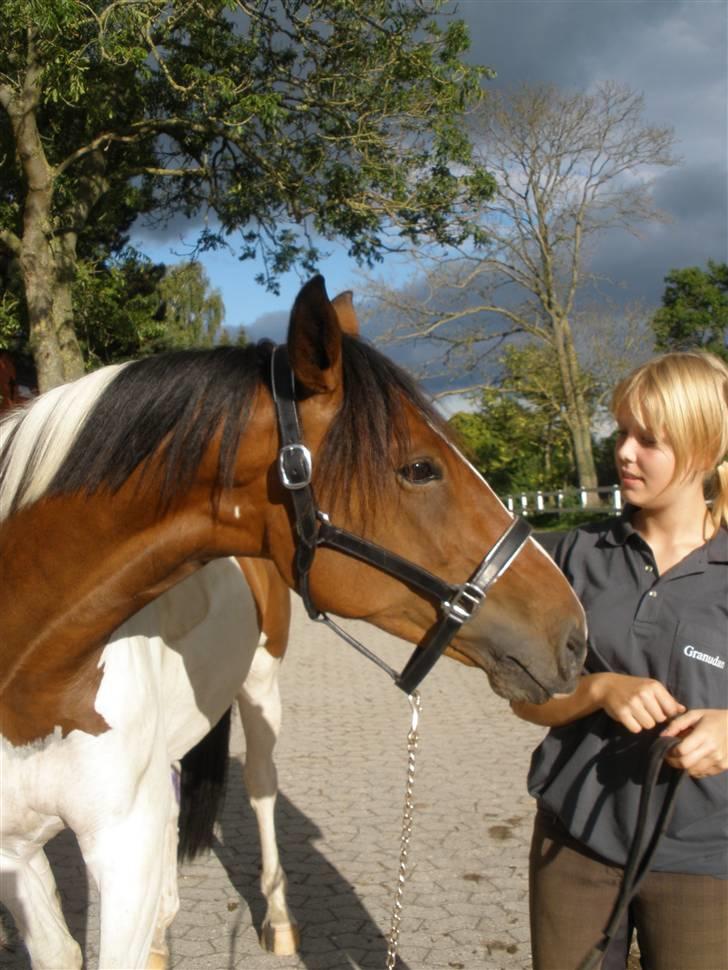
[[683, 398]]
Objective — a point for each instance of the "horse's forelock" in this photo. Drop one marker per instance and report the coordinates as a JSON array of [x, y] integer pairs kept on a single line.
[[370, 431]]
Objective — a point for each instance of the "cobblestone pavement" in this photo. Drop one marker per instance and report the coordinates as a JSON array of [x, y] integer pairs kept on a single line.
[[342, 769]]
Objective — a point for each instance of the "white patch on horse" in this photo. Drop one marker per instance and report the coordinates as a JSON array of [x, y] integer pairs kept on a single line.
[[46, 431], [33, 747]]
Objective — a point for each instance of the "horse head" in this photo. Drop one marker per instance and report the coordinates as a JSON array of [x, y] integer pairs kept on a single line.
[[115, 487], [386, 468]]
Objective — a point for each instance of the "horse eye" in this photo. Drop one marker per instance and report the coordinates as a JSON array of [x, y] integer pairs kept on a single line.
[[420, 471]]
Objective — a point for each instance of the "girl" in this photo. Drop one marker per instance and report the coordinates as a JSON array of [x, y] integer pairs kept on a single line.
[[654, 584]]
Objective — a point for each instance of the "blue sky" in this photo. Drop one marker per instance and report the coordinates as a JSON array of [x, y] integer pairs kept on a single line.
[[245, 300], [675, 52]]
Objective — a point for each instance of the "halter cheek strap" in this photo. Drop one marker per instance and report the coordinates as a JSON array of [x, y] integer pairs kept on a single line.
[[458, 603]]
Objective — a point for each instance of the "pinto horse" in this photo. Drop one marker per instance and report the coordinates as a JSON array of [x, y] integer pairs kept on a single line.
[[117, 490]]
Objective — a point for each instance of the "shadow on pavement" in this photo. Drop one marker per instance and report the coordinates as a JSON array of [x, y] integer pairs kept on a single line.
[[336, 928]]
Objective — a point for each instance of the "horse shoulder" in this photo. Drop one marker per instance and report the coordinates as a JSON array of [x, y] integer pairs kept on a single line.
[[210, 630]]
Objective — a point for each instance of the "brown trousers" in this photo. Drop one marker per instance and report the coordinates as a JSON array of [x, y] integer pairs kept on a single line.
[[681, 920]]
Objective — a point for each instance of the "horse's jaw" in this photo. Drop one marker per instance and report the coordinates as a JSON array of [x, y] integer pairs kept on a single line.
[[508, 676]]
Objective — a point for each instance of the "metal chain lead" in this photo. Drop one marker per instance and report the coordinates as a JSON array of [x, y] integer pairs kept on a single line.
[[412, 739]]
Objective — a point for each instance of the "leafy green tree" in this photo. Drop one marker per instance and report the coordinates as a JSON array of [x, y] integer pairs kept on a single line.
[[127, 307], [281, 120], [193, 313], [694, 311], [10, 327], [118, 308], [519, 437]]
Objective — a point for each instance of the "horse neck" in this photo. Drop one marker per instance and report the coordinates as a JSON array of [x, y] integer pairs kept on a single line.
[[74, 567]]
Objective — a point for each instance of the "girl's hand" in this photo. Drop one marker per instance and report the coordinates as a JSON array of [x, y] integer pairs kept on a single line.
[[703, 751], [638, 703]]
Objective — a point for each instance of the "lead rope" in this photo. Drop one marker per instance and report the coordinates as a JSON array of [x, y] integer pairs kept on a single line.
[[412, 740], [643, 845]]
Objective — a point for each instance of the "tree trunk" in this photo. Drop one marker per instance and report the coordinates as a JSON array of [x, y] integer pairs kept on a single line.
[[38, 272], [45, 267], [56, 351], [68, 345], [577, 412]]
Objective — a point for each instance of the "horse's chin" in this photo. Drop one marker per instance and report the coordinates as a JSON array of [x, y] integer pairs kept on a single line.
[[505, 687], [507, 678]]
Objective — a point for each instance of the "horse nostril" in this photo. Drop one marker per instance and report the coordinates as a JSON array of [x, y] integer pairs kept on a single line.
[[573, 653], [576, 642]]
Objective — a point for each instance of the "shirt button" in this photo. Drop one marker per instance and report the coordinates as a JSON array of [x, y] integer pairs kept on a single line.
[[648, 568], [652, 593]]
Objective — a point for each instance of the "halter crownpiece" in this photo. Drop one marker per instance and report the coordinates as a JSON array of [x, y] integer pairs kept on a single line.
[[458, 603]]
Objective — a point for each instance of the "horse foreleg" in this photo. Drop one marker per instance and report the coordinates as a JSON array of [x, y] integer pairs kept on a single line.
[[169, 904], [260, 710], [128, 867], [28, 889]]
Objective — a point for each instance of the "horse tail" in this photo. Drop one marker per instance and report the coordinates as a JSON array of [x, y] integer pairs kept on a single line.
[[203, 777]]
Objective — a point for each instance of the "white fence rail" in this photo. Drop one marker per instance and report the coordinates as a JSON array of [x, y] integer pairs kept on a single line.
[[532, 503]]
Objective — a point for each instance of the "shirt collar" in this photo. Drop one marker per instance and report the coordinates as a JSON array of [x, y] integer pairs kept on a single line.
[[718, 546], [620, 530]]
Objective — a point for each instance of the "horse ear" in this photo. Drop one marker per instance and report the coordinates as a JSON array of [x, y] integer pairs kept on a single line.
[[314, 339], [344, 306]]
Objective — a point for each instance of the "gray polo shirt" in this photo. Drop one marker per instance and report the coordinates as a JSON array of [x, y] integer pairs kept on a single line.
[[673, 628]]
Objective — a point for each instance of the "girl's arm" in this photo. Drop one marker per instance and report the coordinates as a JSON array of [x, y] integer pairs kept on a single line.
[[635, 702]]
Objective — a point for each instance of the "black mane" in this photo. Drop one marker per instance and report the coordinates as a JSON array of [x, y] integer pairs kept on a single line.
[[174, 404]]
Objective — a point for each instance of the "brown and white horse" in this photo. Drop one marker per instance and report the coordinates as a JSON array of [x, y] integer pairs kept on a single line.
[[117, 490]]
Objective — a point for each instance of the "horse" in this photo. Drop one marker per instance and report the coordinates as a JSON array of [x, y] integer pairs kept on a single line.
[[259, 704], [124, 497], [258, 701], [8, 381], [15, 387]]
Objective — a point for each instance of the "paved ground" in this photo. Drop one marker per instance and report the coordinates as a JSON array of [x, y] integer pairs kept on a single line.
[[342, 768]]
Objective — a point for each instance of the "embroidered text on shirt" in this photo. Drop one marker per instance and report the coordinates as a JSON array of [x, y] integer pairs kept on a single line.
[[694, 654]]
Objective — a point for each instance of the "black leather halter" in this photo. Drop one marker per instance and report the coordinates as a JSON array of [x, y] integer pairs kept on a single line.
[[458, 603]]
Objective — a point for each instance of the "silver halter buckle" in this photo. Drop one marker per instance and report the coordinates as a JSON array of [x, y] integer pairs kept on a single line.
[[465, 603], [295, 466]]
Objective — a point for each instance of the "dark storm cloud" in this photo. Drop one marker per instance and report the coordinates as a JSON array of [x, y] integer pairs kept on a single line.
[[560, 41], [675, 54], [270, 326]]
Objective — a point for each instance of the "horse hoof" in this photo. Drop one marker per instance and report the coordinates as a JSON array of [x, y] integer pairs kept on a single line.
[[157, 961], [282, 941]]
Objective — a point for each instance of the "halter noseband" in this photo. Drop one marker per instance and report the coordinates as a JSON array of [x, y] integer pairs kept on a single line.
[[458, 604]]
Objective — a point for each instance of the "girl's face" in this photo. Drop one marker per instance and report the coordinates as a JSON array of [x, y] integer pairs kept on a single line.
[[646, 464]]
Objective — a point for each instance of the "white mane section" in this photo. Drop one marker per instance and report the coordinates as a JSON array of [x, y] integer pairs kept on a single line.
[[41, 435]]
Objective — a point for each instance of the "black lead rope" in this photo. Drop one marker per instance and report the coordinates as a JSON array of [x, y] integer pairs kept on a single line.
[[643, 845]]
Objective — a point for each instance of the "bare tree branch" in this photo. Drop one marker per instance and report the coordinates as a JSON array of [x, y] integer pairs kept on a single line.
[[567, 167]]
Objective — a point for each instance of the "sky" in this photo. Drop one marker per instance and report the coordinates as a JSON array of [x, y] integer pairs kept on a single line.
[[674, 52]]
